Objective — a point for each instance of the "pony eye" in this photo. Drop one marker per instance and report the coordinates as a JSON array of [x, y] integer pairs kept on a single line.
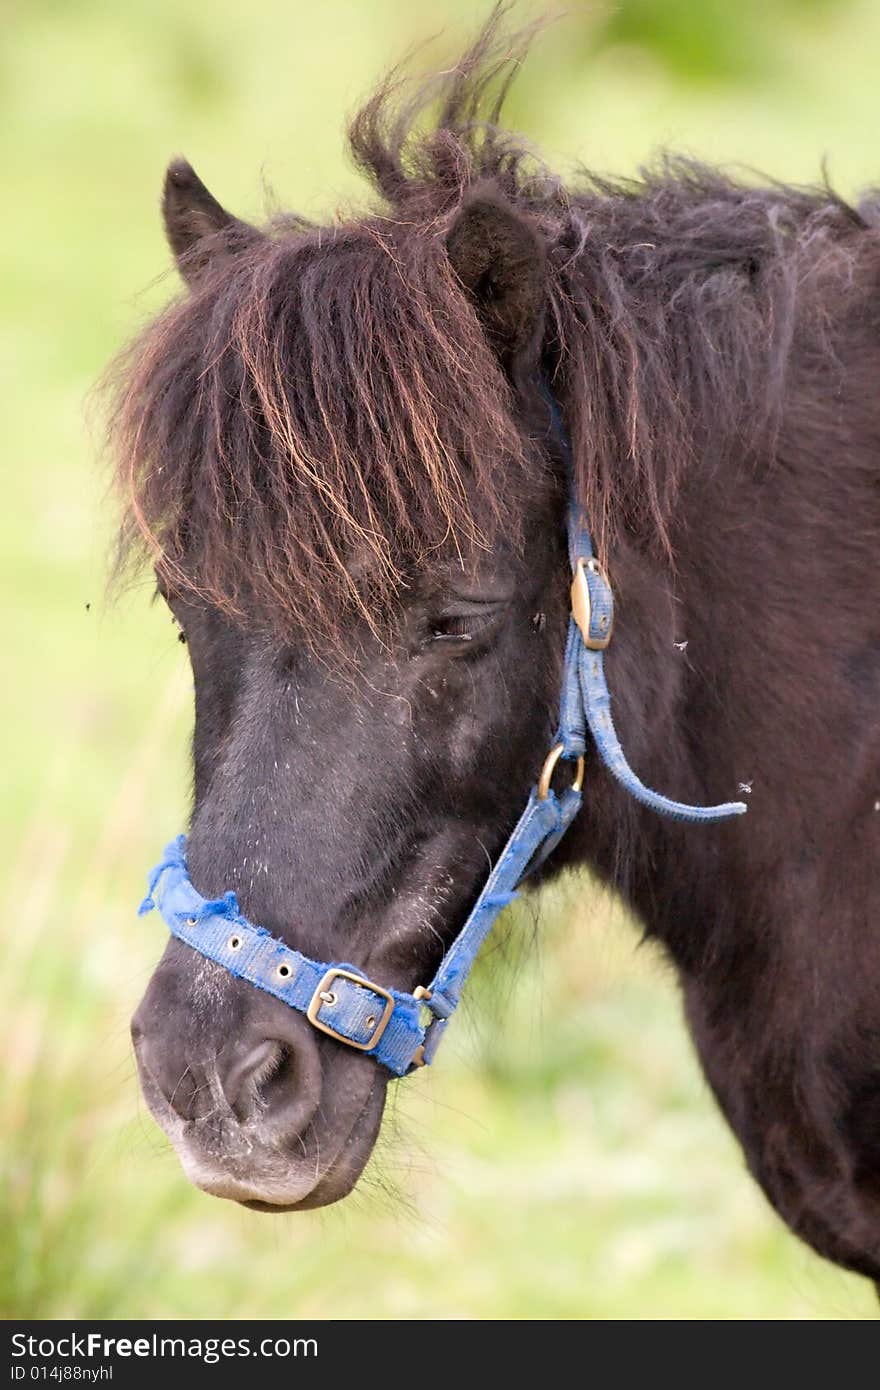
[[452, 628], [464, 624]]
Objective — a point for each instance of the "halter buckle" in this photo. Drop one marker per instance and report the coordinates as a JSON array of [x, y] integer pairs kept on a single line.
[[582, 607], [318, 1002]]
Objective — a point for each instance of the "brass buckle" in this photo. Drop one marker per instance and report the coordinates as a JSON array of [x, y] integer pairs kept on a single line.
[[324, 988], [547, 772], [581, 608]]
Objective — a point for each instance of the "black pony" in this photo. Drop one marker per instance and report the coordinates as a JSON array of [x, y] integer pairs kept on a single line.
[[335, 450]]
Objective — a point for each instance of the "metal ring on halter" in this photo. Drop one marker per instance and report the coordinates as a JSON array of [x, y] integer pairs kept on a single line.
[[550, 762]]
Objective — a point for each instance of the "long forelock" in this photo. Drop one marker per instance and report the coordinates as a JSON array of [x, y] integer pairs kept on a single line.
[[324, 413], [317, 419]]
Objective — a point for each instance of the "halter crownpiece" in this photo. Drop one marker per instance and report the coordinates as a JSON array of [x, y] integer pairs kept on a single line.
[[399, 1029]]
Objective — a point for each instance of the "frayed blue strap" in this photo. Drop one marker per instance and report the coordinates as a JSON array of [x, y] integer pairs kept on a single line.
[[391, 1025], [173, 858], [218, 930], [542, 824]]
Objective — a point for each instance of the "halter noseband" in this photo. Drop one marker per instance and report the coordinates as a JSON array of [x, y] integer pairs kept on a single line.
[[401, 1030]]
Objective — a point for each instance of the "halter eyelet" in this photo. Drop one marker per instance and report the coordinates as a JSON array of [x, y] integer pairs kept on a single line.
[[234, 943], [284, 970], [192, 921]]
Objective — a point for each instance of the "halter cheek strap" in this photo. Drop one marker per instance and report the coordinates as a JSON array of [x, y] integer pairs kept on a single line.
[[399, 1029]]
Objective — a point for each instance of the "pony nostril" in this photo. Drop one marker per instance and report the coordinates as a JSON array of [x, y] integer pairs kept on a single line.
[[273, 1085], [246, 1080]]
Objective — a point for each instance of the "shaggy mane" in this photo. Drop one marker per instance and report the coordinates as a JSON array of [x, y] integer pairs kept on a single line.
[[322, 412]]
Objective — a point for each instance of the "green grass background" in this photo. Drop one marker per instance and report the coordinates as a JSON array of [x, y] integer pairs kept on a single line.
[[563, 1159]]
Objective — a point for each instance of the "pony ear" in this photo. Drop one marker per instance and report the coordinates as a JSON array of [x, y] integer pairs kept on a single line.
[[500, 258], [193, 218]]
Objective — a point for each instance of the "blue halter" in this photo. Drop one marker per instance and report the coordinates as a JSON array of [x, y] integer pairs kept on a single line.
[[401, 1030]]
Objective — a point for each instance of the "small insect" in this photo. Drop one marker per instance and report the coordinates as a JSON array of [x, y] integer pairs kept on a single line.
[[539, 621], [745, 788], [680, 646]]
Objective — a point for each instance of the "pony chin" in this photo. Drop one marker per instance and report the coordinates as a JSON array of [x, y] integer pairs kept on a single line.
[[256, 1177]]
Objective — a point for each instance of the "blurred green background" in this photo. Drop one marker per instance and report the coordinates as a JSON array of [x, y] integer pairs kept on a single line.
[[564, 1158]]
